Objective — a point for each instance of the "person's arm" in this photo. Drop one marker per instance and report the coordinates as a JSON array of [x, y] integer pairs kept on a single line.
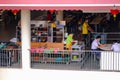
[[101, 45], [112, 47], [90, 29]]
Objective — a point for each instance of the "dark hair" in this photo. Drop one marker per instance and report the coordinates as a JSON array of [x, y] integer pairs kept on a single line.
[[71, 33], [114, 41], [118, 41], [98, 37]]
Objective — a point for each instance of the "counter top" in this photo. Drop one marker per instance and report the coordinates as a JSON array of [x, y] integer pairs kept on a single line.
[[107, 47]]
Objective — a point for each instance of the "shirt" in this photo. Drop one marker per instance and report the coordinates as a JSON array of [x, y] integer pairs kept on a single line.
[[85, 28], [69, 40], [115, 47], [95, 44]]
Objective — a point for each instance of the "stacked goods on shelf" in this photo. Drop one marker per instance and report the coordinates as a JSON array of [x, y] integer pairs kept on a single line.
[[43, 35], [39, 34], [77, 54], [2, 45], [58, 34], [49, 55], [18, 33], [42, 31]]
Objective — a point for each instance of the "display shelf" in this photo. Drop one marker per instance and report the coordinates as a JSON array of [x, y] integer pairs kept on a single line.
[[42, 31], [37, 57], [77, 54], [50, 57], [18, 33]]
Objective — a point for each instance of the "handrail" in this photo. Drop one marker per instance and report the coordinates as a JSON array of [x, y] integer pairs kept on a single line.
[[10, 58], [77, 60], [106, 32]]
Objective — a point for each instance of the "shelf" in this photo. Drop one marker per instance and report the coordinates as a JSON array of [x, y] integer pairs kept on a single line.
[[58, 36], [42, 31], [51, 57], [39, 32]]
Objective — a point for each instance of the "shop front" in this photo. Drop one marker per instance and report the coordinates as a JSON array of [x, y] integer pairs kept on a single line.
[[28, 42]]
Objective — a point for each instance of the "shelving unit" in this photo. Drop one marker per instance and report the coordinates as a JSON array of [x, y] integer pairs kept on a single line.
[[59, 57], [0, 17], [43, 34], [77, 54], [49, 56], [39, 34], [36, 57], [18, 33], [41, 31], [58, 35]]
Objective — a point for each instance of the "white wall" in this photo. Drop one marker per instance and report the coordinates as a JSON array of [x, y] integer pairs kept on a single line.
[[38, 74]]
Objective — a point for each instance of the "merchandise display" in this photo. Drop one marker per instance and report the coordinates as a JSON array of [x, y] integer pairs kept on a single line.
[[46, 55], [42, 31]]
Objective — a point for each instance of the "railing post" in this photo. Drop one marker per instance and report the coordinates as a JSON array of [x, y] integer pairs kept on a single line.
[[25, 30]]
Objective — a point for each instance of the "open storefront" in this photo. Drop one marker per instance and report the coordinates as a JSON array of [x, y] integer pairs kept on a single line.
[[26, 72]]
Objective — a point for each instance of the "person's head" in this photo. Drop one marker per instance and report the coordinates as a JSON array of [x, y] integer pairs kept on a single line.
[[86, 20], [115, 41], [98, 38], [118, 41], [71, 34]]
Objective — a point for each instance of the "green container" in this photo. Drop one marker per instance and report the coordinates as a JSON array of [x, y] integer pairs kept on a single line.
[[66, 59], [48, 51]]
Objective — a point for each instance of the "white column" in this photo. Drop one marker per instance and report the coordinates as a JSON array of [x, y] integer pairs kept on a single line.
[[59, 16], [25, 31]]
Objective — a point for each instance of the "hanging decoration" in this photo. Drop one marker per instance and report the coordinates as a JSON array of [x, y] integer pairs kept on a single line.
[[52, 15], [51, 11], [15, 12], [114, 12], [1, 10]]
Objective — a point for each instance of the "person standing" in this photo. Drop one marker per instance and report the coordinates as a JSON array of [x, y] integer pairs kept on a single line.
[[85, 29], [80, 25], [69, 41]]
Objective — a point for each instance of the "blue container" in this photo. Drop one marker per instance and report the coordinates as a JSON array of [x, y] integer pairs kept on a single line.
[[58, 59]]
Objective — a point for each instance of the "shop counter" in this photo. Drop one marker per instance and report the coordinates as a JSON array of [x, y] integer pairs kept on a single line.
[[45, 45]]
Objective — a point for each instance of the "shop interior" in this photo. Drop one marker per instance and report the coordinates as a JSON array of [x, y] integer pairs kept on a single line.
[[70, 23], [49, 31]]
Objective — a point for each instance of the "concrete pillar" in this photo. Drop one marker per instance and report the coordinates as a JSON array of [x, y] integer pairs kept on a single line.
[[25, 31], [59, 16]]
